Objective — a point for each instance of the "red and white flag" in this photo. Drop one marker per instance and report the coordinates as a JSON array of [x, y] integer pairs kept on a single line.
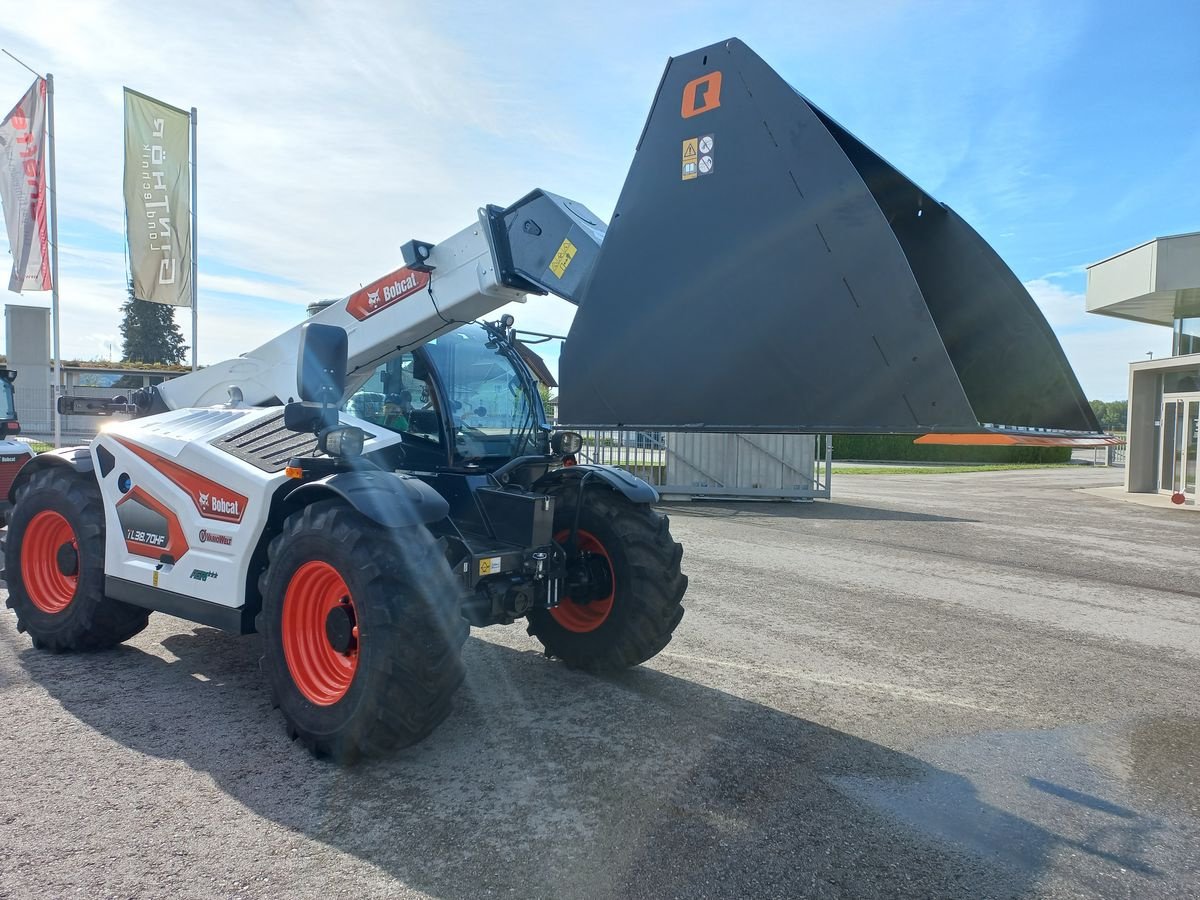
[[23, 190]]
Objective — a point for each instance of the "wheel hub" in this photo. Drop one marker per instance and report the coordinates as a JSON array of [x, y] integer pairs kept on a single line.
[[590, 585], [319, 633], [67, 558], [340, 627], [49, 561], [589, 578]]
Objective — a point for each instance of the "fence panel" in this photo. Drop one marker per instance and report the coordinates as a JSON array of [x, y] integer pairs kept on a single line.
[[685, 465]]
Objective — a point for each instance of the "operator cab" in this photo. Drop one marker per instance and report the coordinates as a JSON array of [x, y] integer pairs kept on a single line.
[[464, 400], [8, 408]]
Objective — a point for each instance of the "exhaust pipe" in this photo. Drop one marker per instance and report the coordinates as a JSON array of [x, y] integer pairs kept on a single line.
[[766, 271]]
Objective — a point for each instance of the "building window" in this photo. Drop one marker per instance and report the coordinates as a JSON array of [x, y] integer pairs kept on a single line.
[[1181, 382], [1187, 336]]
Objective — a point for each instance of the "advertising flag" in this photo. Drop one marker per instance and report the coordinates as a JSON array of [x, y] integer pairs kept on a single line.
[[158, 225], [23, 190]]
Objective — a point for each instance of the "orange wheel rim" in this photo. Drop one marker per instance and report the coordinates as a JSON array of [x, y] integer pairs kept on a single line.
[[48, 588], [321, 672], [584, 617]]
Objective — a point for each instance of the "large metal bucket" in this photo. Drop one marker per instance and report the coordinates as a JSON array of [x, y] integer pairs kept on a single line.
[[766, 271]]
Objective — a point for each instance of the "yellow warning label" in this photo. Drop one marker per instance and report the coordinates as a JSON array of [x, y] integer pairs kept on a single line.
[[490, 566], [562, 259], [689, 158], [156, 577]]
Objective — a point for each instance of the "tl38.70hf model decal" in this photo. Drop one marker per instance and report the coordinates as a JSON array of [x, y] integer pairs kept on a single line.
[[150, 529]]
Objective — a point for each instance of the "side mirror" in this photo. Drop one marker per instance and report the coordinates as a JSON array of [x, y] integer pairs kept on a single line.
[[320, 378], [321, 368]]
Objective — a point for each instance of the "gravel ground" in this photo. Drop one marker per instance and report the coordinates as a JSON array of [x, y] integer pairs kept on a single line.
[[934, 686]]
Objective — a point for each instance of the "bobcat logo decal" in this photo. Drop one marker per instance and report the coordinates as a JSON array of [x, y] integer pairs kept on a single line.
[[386, 291]]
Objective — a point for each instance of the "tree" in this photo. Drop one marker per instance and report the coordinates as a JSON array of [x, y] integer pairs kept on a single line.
[[1111, 413], [149, 332], [547, 399]]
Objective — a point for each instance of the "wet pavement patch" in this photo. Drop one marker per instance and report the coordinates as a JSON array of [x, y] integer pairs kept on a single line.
[[1089, 804]]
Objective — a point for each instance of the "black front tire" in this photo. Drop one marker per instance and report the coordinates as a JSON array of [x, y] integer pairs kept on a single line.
[[408, 642], [648, 586], [56, 617]]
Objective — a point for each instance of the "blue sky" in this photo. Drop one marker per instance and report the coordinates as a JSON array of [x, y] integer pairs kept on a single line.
[[331, 133]]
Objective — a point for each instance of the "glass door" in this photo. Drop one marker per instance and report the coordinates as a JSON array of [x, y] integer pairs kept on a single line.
[[1180, 434], [1191, 423], [1172, 446]]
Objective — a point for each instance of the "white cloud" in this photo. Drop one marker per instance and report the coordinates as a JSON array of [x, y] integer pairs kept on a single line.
[[254, 287], [1063, 308], [1101, 357], [1099, 348], [328, 136]]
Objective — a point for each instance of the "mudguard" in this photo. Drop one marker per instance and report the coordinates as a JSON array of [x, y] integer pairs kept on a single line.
[[619, 480], [79, 459], [390, 499], [766, 271]]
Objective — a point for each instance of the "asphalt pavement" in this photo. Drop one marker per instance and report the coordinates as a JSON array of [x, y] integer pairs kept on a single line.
[[976, 685]]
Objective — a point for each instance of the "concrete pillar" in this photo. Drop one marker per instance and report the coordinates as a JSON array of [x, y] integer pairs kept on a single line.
[[27, 347], [1141, 449]]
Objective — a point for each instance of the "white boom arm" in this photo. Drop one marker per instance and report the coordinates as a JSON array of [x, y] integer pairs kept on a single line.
[[401, 310], [541, 244]]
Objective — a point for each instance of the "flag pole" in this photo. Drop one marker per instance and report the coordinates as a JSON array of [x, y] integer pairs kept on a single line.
[[53, 262], [195, 282]]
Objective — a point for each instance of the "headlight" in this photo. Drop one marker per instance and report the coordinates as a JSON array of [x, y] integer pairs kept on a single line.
[[346, 440], [565, 443]]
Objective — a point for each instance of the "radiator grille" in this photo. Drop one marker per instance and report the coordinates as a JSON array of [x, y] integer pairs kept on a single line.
[[8, 473], [267, 444]]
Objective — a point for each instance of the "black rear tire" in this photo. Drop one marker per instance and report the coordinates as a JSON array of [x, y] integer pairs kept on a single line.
[[648, 586], [407, 633], [69, 613]]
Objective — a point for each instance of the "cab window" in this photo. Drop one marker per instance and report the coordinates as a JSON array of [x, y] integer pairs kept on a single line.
[[395, 399]]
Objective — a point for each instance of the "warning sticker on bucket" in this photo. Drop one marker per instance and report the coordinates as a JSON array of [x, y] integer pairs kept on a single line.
[[697, 156], [689, 158]]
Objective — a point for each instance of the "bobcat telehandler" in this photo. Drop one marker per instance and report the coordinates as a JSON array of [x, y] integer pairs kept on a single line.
[[366, 484], [13, 453]]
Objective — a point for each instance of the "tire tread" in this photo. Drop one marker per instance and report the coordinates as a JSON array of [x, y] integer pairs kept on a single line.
[[97, 622], [658, 585], [418, 624]]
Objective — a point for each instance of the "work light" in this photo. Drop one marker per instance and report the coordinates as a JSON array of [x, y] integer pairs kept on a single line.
[[565, 443]]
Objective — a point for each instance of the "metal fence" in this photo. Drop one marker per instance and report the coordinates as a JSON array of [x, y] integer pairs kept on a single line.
[[1112, 455], [688, 465]]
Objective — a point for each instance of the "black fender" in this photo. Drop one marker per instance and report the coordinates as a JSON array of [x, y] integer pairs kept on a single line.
[[78, 459], [390, 499], [618, 480]]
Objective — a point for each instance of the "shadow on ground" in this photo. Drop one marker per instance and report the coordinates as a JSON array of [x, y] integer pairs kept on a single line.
[[816, 511], [548, 782]]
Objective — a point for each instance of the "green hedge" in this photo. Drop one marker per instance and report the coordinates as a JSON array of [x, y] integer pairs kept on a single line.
[[900, 447]]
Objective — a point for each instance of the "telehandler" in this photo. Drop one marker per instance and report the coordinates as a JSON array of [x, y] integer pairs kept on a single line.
[[13, 453], [363, 487]]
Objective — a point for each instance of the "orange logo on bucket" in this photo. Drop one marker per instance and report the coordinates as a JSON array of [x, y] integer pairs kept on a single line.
[[701, 94]]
